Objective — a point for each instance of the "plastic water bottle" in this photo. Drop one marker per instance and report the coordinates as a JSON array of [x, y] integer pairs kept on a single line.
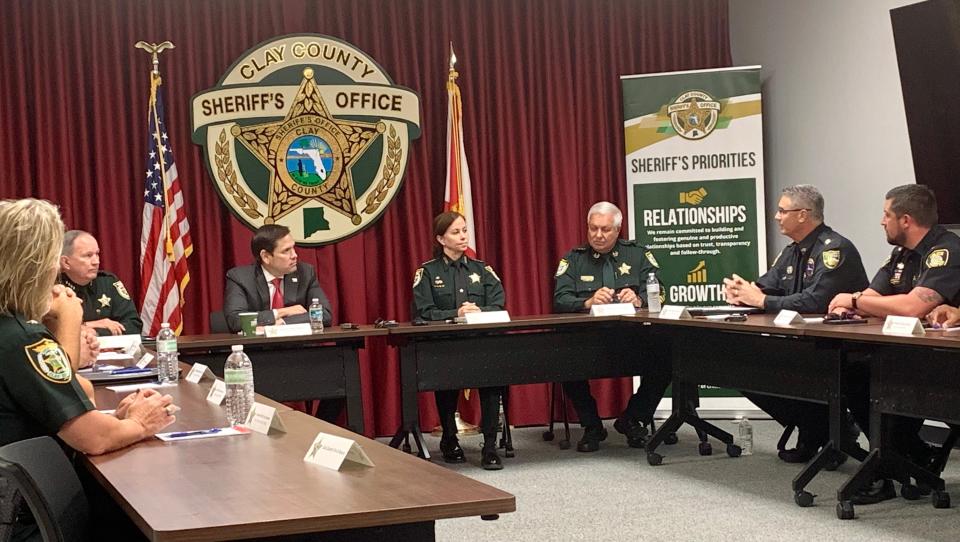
[[168, 368], [746, 436], [238, 376], [316, 316], [653, 293]]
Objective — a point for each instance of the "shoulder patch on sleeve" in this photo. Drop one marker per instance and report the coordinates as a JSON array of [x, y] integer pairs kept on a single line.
[[50, 361], [651, 259], [938, 257], [492, 272], [417, 277], [121, 289], [562, 268], [831, 258]]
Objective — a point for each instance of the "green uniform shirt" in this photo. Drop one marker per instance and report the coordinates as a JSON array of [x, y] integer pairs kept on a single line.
[[440, 286], [106, 297], [38, 393], [583, 271]]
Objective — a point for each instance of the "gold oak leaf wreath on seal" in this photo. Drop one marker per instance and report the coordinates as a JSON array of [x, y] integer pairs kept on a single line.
[[390, 170], [228, 177]]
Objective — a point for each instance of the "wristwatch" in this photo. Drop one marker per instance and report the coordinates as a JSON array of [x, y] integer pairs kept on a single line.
[[854, 298]]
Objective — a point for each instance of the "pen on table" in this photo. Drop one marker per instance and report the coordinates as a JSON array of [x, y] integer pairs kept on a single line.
[[129, 370], [194, 433]]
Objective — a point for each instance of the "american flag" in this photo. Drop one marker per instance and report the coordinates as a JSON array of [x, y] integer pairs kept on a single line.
[[457, 196], [165, 240]]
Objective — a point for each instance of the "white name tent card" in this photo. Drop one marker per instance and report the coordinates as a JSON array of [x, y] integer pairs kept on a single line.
[[675, 312], [198, 372], [145, 360], [217, 392], [488, 317], [119, 342], [263, 418], [613, 309], [331, 451], [903, 325], [287, 330], [788, 318]]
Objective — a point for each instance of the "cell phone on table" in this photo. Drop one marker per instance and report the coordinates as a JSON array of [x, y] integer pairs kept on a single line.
[[844, 321], [736, 318]]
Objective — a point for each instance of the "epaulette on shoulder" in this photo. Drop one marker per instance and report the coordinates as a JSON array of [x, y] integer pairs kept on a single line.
[[429, 262]]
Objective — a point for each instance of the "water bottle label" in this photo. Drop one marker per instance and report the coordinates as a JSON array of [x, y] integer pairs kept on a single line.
[[167, 347], [316, 314], [236, 376]]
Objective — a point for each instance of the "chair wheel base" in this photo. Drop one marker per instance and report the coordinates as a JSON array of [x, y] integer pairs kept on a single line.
[[670, 439], [705, 448], [547, 436], [654, 459], [909, 492], [940, 499], [845, 510], [406, 448], [803, 498], [733, 450], [490, 517]]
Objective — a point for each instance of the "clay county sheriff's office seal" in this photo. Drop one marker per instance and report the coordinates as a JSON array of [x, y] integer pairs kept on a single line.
[[309, 132], [694, 114]]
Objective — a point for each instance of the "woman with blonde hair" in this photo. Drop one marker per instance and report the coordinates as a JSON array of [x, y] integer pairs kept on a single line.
[[39, 339]]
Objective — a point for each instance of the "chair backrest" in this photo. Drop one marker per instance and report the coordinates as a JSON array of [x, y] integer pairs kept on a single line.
[[43, 475], [218, 322]]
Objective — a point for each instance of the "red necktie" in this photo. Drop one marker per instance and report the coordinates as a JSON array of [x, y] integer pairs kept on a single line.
[[277, 302]]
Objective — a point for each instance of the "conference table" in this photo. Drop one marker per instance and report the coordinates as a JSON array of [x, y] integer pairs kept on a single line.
[[294, 368], [526, 350], [257, 486]]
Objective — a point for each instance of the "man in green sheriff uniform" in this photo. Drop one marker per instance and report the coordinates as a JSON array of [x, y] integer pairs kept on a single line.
[[107, 307], [609, 270]]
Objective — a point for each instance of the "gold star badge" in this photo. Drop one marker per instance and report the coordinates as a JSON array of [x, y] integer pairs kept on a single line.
[[104, 301], [624, 269], [475, 278], [309, 154]]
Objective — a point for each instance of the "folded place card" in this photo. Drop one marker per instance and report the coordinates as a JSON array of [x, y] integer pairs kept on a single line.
[[198, 372], [119, 342], [903, 325], [287, 330], [788, 318], [145, 360], [217, 392], [613, 309], [331, 451], [674, 312], [487, 317], [263, 418]]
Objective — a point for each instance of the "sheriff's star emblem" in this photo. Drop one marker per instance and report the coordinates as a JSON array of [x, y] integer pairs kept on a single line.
[[624, 269], [104, 301], [309, 154], [475, 278]]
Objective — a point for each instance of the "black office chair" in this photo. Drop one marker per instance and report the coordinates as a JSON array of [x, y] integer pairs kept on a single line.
[[38, 471], [218, 322]]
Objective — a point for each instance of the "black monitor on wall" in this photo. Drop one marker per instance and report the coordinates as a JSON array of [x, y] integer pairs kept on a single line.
[[927, 38]]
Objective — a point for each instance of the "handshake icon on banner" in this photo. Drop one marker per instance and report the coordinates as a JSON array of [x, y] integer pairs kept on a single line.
[[693, 197]]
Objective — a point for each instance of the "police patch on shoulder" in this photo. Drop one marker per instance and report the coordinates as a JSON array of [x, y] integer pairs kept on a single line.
[[562, 268], [831, 258], [417, 277], [50, 361], [653, 261], [121, 289], [938, 257], [492, 272]]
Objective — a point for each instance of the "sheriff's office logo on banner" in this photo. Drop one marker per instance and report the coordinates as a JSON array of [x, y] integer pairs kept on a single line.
[[309, 132], [694, 114]]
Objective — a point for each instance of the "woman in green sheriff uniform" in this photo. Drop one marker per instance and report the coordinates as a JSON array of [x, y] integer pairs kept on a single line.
[[451, 285]]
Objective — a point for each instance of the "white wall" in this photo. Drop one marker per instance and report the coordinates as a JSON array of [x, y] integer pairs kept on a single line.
[[832, 108]]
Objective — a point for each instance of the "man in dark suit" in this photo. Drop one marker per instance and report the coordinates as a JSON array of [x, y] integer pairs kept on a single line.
[[277, 286]]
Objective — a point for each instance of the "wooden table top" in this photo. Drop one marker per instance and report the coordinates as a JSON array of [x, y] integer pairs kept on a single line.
[[330, 334], [516, 323], [255, 485]]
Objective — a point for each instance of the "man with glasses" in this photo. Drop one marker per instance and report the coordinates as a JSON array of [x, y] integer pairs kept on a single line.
[[806, 275]]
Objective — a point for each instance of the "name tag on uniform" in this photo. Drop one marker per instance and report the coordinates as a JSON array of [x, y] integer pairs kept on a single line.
[[586, 278], [907, 326]]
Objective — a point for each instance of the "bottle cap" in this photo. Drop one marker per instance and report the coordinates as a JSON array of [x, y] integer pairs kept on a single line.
[[237, 348], [316, 300]]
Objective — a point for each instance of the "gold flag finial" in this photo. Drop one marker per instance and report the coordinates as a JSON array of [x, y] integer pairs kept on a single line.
[[154, 49], [452, 76]]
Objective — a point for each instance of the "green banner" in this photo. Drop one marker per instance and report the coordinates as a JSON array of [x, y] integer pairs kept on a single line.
[[694, 157]]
